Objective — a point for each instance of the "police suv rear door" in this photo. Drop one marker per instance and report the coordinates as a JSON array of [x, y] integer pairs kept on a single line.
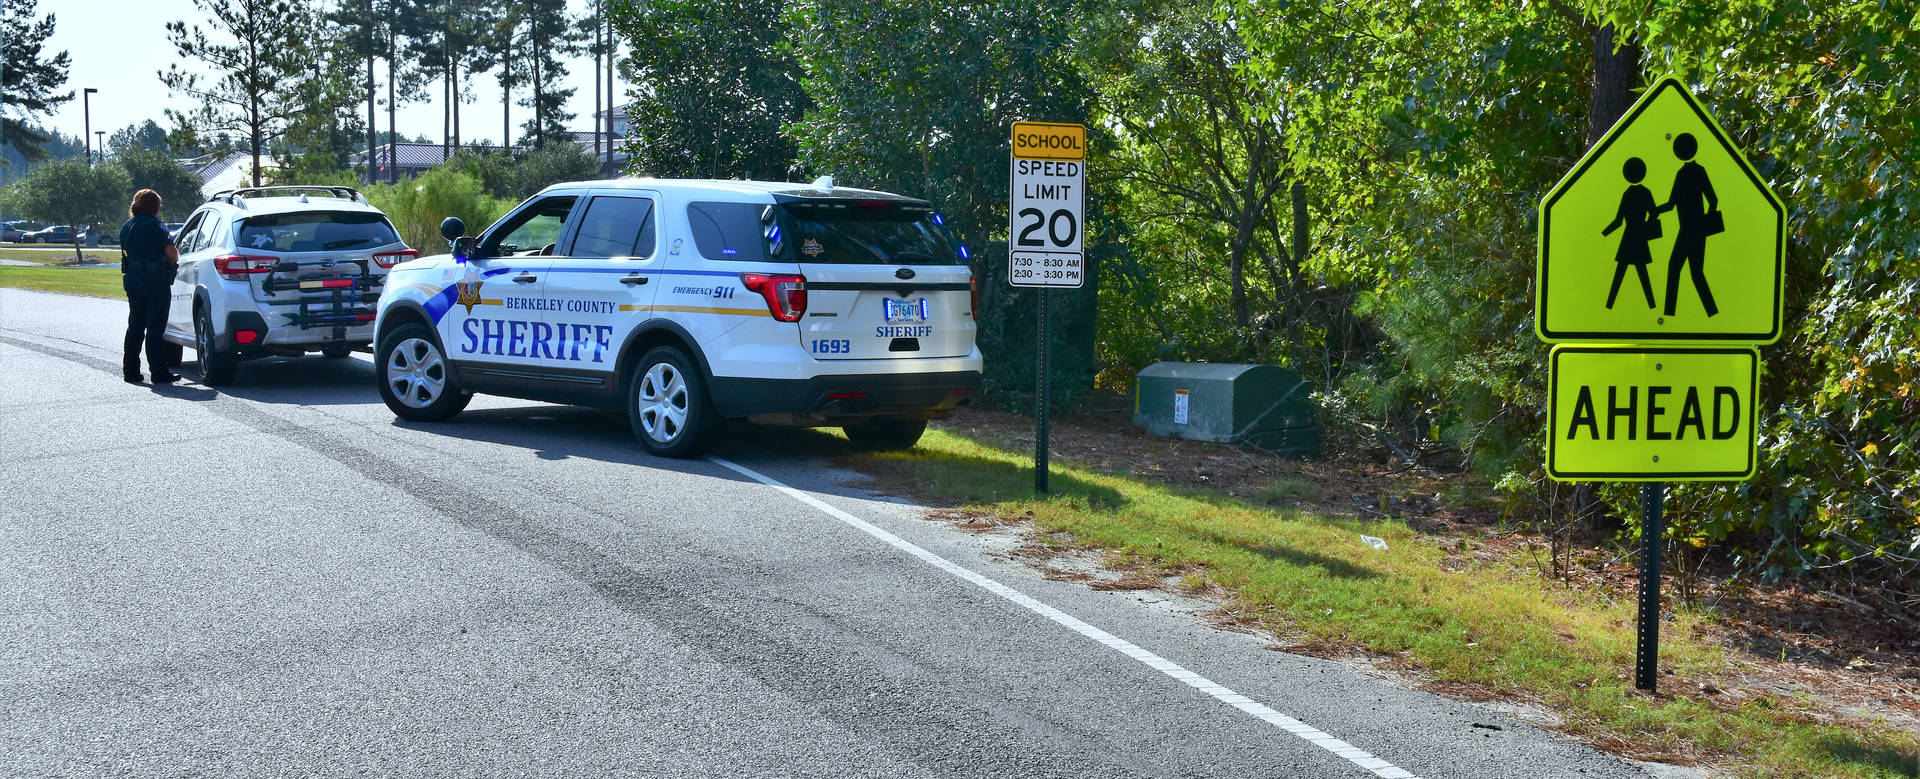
[[884, 278]]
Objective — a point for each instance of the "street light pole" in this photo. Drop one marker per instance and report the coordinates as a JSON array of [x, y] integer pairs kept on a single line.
[[86, 119]]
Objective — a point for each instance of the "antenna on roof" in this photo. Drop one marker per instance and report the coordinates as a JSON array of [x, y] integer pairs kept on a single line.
[[824, 182]]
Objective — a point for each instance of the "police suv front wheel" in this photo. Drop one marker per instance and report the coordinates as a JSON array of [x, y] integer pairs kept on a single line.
[[667, 401], [415, 380]]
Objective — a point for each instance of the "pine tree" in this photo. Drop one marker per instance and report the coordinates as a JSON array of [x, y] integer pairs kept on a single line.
[[28, 79], [258, 89]]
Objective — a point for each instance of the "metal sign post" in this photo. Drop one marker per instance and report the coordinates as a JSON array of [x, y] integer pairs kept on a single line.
[[1043, 396], [1646, 651], [1046, 214]]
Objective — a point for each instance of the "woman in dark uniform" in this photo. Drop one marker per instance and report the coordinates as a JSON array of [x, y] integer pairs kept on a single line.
[[147, 267]]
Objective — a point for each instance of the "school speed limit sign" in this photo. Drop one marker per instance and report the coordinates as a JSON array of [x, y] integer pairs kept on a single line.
[[1049, 205]]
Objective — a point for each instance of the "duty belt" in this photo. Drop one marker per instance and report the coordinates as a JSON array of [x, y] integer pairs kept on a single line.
[[144, 266]]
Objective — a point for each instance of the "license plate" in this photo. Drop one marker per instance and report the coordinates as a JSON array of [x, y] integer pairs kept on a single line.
[[910, 310]]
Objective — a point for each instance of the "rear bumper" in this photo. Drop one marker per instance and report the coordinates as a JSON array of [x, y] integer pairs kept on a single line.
[[832, 399]]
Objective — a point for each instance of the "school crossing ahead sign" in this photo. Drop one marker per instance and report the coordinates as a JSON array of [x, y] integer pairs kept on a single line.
[[1662, 232], [1666, 246], [1048, 208]]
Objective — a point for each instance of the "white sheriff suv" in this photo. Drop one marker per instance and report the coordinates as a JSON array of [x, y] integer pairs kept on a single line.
[[279, 271], [689, 303]]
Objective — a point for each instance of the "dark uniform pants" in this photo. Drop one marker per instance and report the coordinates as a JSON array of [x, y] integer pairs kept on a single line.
[[147, 300]]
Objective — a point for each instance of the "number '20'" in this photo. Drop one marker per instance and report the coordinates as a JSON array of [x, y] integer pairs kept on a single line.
[[1052, 225]]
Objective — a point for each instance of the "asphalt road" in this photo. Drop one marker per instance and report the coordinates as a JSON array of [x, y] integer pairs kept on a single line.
[[280, 578]]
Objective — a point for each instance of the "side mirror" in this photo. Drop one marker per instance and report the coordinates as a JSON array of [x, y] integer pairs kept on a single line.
[[464, 247], [452, 227]]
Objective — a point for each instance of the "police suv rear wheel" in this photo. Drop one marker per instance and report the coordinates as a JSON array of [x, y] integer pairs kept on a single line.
[[216, 368], [415, 380], [667, 401], [888, 435]]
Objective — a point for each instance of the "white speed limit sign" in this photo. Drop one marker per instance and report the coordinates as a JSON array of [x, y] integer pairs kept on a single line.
[[1048, 212]]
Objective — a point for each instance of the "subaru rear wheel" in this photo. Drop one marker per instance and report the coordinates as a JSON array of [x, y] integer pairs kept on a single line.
[[216, 368]]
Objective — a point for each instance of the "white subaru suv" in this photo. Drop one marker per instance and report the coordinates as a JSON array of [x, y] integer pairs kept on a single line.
[[279, 271], [688, 303]]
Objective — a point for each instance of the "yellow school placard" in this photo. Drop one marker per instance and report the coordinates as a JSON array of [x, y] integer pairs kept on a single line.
[[1651, 413], [1663, 232]]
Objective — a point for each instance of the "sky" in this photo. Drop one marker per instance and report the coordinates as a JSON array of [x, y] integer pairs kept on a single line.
[[120, 46]]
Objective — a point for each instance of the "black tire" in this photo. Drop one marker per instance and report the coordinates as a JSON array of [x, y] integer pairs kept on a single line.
[[335, 351], [415, 380], [886, 435], [217, 368], [668, 404]]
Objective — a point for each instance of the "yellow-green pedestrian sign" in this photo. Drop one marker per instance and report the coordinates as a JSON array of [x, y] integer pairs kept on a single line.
[[1651, 413], [1663, 232]]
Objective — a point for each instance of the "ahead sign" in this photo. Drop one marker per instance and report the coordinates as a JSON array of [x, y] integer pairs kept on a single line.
[[1662, 232], [1049, 205], [1624, 413]]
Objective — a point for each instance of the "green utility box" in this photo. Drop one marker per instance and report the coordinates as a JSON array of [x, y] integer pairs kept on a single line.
[[1264, 406]]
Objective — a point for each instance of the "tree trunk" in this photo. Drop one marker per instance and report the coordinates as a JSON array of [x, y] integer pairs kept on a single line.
[[1300, 247], [373, 119], [454, 66], [393, 151], [506, 91], [1616, 71]]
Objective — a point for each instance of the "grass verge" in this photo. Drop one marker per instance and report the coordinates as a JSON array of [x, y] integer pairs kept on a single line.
[[62, 257], [95, 282], [1482, 624]]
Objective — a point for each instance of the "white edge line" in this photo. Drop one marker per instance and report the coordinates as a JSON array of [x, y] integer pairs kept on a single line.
[[1308, 733]]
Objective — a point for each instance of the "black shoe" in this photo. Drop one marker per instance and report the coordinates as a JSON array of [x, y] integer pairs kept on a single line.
[[165, 378], [133, 378]]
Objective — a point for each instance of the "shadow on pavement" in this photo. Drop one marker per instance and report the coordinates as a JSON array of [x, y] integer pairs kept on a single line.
[[301, 381]]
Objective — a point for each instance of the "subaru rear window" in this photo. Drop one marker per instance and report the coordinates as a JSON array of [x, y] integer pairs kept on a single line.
[[316, 231], [872, 232]]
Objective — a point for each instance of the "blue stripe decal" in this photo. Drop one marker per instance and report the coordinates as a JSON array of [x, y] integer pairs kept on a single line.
[[651, 271], [438, 305]]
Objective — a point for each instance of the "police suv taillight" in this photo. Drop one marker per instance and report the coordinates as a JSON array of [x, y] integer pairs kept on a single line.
[[786, 295], [390, 259], [235, 267]]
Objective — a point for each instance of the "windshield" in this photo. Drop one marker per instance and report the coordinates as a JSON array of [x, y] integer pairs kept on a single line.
[[868, 233], [316, 231]]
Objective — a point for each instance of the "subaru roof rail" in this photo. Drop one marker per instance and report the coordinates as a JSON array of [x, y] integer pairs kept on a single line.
[[231, 195]]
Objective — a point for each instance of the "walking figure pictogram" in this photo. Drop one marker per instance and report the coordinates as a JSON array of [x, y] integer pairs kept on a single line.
[[1642, 221], [1699, 211]]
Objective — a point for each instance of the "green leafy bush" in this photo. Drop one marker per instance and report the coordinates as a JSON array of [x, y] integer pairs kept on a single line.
[[417, 206]]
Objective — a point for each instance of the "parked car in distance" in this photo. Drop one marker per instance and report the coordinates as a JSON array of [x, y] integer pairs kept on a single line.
[[10, 234], [54, 234]]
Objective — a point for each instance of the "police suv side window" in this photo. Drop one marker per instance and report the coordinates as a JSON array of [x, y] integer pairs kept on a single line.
[[615, 227], [728, 231], [532, 230]]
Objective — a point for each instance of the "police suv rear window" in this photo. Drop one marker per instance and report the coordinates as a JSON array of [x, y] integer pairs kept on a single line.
[[728, 231], [316, 231], [867, 232]]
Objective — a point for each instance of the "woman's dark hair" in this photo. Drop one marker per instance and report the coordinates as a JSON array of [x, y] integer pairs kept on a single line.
[[146, 202]]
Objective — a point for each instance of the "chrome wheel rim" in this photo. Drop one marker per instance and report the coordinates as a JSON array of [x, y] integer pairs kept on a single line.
[[416, 373], [662, 403]]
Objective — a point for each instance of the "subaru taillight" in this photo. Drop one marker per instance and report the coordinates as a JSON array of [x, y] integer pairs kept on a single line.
[[236, 267], [973, 295], [786, 295], [390, 259]]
